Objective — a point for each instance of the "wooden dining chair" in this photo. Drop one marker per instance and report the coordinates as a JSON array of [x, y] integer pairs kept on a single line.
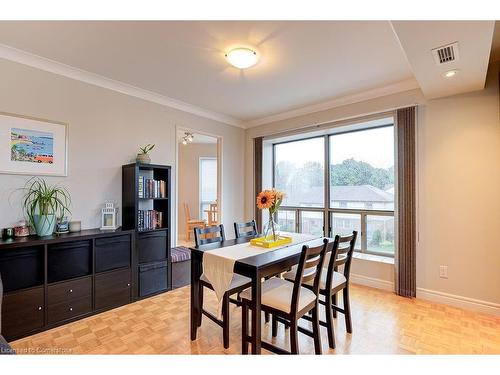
[[289, 301], [238, 283], [332, 281], [191, 223], [203, 236], [248, 229], [213, 214]]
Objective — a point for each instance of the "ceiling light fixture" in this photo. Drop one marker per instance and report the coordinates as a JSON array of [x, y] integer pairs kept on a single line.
[[451, 73], [242, 58], [188, 138]]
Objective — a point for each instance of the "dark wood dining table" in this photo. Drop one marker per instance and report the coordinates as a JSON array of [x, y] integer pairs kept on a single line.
[[255, 267]]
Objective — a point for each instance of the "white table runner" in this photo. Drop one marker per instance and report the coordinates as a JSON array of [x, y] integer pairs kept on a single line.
[[218, 264]]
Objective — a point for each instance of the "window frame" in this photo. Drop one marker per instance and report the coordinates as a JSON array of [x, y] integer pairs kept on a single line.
[[327, 211], [200, 184]]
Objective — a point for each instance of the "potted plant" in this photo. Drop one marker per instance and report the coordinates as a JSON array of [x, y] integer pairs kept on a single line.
[[271, 200], [143, 156], [44, 204]]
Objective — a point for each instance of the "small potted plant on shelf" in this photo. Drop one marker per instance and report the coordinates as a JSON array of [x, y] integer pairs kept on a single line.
[[43, 205], [143, 156]]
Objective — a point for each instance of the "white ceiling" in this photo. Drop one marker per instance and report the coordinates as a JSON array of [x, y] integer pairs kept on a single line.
[[474, 45], [304, 66]]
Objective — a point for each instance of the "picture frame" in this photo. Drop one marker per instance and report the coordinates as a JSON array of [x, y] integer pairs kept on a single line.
[[33, 146]]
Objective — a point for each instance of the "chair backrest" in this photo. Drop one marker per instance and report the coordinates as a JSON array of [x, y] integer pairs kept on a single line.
[[186, 211], [248, 229], [213, 214], [309, 268], [203, 236], [341, 254]]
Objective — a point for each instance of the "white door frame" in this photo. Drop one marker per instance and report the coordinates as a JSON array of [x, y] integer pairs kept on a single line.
[[219, 175]]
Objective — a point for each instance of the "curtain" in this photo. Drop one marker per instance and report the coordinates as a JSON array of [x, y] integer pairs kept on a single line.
[[258, 179], [406, 203]]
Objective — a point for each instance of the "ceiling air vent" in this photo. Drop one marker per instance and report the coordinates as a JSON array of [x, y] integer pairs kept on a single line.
[[446, 54]]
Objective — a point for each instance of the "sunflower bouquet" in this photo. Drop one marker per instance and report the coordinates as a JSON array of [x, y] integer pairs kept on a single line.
[[270, 200]]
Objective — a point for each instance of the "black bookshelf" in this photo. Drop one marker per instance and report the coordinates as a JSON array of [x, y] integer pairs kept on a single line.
[[147, 212]]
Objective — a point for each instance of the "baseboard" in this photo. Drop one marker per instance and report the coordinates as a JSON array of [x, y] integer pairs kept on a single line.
[[459, 301], [372, 282], [433, 295]]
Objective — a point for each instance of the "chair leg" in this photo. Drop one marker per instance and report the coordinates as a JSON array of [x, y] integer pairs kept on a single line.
[[329, 323], [316, 332], [334, 301], [266, 317], [274, 326], [201, 305], [188, 233], [294, 342], [244, 329], [225, 320], [347, 309]]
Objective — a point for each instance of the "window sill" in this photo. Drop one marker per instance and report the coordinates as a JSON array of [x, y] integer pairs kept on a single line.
[[373, 258]]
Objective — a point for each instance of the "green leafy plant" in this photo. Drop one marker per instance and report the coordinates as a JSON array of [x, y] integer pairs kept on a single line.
[[44, 200], [146, 149]]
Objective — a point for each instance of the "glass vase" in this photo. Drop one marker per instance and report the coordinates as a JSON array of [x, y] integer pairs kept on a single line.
[[271, 230]]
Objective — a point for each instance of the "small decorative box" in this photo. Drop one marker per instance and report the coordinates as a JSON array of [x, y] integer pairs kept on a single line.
[[261, 241]]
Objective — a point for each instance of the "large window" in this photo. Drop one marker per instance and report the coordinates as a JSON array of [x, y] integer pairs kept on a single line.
[[362, 169], [299, 171], [360, 192], [208, 184]]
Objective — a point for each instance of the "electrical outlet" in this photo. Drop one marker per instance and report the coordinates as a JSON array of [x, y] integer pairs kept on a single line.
[[443, 272]]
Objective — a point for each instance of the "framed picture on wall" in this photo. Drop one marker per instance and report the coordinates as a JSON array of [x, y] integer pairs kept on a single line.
[[33, 146]]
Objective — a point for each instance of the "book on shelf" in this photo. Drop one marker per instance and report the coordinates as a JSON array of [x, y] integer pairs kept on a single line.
[[149, 220], [150, 188]]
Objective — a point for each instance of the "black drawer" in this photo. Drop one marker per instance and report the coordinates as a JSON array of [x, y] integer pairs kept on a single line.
[[22, 312], [69, 309], [112, 253], [21, 268], [69, 260], [152, 246], [153, 278], [69, 290], [112, 289]]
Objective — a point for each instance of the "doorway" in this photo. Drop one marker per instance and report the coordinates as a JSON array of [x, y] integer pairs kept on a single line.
[[198, 187]]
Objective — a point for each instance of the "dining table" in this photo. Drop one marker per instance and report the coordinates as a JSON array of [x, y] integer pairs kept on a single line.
[[255, 266]]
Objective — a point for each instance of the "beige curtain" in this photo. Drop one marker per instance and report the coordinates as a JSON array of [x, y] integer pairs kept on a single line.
[[406, 203], [258, 178]]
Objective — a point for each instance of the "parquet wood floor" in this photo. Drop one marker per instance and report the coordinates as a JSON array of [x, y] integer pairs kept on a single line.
[[383, 323]]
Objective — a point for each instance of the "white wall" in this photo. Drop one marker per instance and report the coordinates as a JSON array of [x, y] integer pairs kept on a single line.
[[459, 193], [458, 142], [105, 129], [189, 179]]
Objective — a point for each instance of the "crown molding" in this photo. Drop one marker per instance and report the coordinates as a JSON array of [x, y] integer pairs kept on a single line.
[[406, 85], [42, 63]]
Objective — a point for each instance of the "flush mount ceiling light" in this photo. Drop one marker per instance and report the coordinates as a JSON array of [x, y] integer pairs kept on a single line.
[[451, 73], [242, 58], [188, 138]]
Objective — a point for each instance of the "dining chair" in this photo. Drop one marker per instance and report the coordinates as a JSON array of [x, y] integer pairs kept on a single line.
[[238, 283], [190, 222], [248, 229], [288, 301], [213, 214], [244, 230], [332, 281]]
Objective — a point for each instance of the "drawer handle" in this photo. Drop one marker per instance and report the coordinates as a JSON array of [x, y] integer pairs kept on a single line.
[[70, 309], [39, 308], [71, 290], [128, 284]]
